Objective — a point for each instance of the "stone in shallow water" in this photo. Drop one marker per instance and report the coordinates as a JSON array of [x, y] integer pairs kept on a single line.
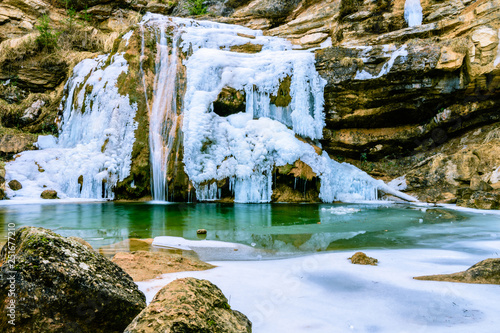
[[63, 286], [190, 305]]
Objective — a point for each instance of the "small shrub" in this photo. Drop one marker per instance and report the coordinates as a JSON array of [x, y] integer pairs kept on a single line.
[[71, 12], [196, 7], [85, 16], [47, 40]]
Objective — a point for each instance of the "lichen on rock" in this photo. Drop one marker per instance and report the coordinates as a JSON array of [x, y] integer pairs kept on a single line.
[[484, 272], [360, 258], [190, 305], [62, 285]]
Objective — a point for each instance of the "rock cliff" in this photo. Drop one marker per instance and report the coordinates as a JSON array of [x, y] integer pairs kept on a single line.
[[420, 102]]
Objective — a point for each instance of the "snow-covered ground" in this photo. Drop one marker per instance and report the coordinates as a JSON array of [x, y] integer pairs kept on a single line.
[[326, 293]]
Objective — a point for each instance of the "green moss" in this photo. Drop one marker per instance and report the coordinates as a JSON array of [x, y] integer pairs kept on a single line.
[[130, 84], [283, 97], [206, 144], [285, 169], [103, 148]]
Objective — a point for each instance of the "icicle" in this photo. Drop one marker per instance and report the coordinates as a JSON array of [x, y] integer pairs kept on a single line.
[[413, 13]]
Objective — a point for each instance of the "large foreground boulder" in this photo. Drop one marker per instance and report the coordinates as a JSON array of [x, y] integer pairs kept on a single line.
[[484, 272], [59, 285], [190, 305]]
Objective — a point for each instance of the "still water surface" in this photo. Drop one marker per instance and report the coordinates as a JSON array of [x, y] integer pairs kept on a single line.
[[284, 228]]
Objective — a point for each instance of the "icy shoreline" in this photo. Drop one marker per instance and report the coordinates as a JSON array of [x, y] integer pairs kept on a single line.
[[326, 293]]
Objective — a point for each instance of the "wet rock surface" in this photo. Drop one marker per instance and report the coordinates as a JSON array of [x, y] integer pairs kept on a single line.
[[190, 305], [63, 286]]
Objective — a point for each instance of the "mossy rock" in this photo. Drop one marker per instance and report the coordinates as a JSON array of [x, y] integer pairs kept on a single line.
[[15, 185], [360, 258], [190, 305], [283, 97], [484, 272], [63, 286], [49, 194], [229, 101]]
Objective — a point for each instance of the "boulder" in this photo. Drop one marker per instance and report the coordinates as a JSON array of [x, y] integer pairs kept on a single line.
[[15, 185], [479, 199], [49, 194], [247, 48], [360, 258], [14, 143], [189, 305], [63, 286], [484, 272]]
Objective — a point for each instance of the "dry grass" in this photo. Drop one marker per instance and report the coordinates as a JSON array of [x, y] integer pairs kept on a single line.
[[18, 49], [460, 45], [346, 62], [493, 135]]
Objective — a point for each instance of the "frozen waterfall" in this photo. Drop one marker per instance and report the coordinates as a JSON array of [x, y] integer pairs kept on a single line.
[[194, 62], [413, 13], [94, 147], [244, 148]]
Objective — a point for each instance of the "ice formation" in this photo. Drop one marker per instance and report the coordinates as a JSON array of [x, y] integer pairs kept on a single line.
[[245, 147], [93, 151], [386, 68], [94, 147], [413, 13]]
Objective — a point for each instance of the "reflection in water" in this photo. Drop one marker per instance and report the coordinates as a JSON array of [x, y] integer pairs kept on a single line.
[[279, 227]]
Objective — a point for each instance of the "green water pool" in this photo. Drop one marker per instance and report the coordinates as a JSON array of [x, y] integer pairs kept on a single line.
[[283, 228]]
